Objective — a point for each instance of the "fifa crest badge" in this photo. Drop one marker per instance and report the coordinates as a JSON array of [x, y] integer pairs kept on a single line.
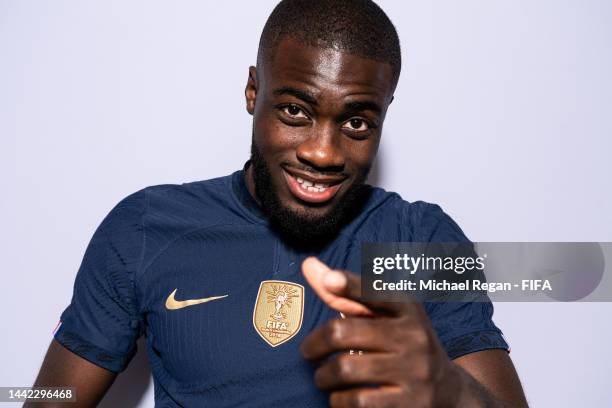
[[278, 311]]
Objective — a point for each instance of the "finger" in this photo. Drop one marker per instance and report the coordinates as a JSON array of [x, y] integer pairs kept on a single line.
[[339, 290], [348, 370], [380, 397], [353, 333]]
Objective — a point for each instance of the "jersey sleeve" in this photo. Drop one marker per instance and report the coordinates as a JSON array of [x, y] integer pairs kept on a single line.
[[462, 327], [102, 322]]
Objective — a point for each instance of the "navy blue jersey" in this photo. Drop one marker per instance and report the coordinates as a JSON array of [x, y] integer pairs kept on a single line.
[[221, 299]]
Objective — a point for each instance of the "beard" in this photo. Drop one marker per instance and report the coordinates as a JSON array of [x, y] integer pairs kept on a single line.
[[301, 227]]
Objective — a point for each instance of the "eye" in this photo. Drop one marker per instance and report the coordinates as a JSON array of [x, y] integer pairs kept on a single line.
[[356, 125], [294, 111]]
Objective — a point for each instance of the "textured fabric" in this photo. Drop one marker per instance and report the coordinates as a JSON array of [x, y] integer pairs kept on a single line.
[[208, 239]]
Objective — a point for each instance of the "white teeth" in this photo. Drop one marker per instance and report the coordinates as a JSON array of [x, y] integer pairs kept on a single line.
[[313, 189], [310, 186]]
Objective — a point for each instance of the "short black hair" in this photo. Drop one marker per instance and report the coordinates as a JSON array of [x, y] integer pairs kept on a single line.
[[358, 27]]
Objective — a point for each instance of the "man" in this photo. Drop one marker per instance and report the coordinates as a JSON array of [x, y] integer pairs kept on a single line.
[[230, 281]]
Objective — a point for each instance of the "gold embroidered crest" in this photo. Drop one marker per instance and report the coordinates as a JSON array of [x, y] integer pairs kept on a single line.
[[278, 311]]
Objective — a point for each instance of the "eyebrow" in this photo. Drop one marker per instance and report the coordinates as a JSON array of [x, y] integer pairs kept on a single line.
[[363, 106], [307, 97], [298, 93]]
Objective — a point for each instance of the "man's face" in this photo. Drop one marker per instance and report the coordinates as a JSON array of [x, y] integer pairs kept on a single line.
[[318, 116]]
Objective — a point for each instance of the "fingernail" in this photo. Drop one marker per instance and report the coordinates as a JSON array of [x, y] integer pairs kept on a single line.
[[334, 280], [314, 262]]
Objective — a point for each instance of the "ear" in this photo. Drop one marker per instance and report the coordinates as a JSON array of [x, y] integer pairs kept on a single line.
[[250, 92]]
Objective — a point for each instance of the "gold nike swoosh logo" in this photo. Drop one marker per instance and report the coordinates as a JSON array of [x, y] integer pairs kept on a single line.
[[173, 304]]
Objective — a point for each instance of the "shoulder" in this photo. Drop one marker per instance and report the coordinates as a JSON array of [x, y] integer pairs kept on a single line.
[[145, 221], [429, 222], [387, 216], [191, 203], [187, 195], [190, 190], [178, 200]]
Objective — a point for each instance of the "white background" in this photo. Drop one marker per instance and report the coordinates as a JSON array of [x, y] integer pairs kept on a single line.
[[502, 116]]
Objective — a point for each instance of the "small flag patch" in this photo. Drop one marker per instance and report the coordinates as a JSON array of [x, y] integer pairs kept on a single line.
[[59, 324]]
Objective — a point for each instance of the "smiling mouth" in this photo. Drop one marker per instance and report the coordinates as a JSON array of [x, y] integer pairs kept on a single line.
[[312, 189]]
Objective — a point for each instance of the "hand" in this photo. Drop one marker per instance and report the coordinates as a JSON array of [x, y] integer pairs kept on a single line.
[[403, 363]]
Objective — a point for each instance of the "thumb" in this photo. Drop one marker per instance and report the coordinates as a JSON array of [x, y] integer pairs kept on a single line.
[[337, 289]]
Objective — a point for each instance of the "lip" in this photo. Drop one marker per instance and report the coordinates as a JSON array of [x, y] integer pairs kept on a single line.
[[315, 179], [312, 196]]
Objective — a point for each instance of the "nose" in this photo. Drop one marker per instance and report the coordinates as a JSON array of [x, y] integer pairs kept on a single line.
[[321, 150]]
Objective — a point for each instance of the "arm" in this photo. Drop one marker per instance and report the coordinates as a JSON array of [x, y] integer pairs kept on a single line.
[[97, 335], [489, 379], [62, 367]]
